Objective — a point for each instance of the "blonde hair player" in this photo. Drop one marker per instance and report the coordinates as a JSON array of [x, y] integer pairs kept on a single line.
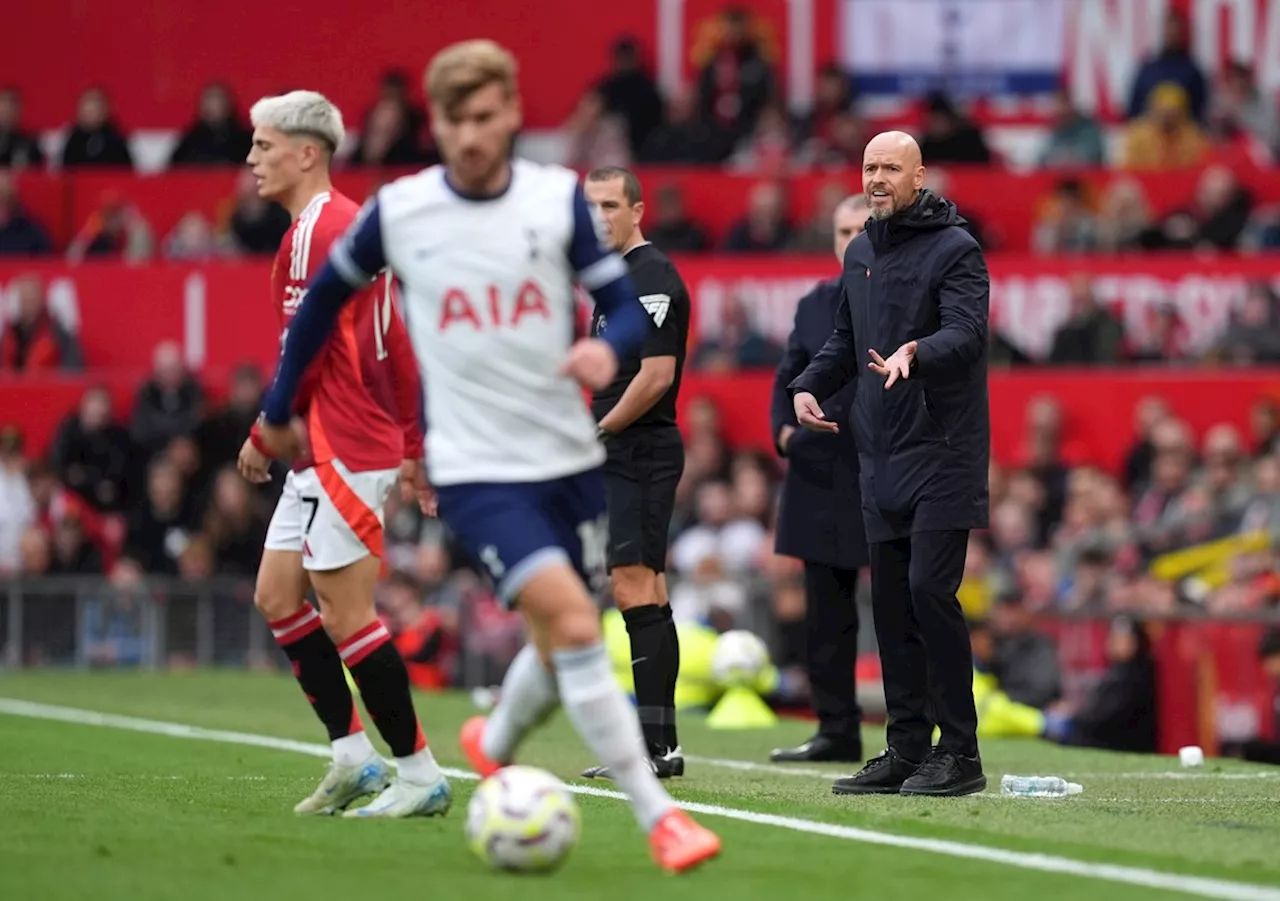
[[359, 409]]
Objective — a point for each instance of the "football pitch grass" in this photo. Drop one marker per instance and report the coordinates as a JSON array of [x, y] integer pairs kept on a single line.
[[120, 786]]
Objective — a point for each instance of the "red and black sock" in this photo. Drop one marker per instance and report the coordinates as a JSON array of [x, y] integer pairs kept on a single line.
[[384, 685], [318, 668]]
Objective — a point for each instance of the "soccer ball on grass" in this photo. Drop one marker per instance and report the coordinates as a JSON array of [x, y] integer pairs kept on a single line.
[[738, 659], [522, 819]]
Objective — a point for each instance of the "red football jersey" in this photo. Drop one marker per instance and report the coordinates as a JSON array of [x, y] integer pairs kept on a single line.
[[360, 396]]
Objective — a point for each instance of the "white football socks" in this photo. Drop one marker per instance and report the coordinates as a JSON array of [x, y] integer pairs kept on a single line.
[[607, 723], [353, 749], [420, 768], [528, 697]]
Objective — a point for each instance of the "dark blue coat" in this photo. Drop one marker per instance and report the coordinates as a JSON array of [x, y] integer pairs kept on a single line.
[[819, 519], [924, 444]]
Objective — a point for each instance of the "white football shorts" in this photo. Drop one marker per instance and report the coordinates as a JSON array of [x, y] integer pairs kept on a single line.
[[330, 515]]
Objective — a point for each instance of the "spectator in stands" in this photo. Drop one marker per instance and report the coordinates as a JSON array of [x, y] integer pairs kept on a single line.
[[395, 85], [1172, 64], [767, 149], [673, 231], [844, 149], [1149, 413], [737, 82], [686, 137], [1091, 334], [34, 341], [91, 453], [817, 235], [1266, 749], [18, 148], [764, 229], [1075, 140], [723, 531], [1171, 468], [629, 93], [815, 131], [220, 436], [194, 241], [1253, 337], [168, 404], [424, 634], [948, 136], [95, 139], [596, 137], [20, 235], [34, 552], [1124, 218], [235, 524], [1239, 111], [73, 554], [1164, 339], [738, 344], [117, 229], [160, 529], [218, 137], [1221, 210], [1119, 714], [256, 226], [17, 507], [1068, 226], [1025, 660], [388, 139], [1264, 424], [1165, 136], [114, 631]]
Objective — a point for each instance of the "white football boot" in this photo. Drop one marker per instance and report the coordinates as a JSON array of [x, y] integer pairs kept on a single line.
[[403, 799], [343, 784]]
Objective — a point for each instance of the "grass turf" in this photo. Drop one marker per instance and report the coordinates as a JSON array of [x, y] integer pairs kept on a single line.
[[108, 814]]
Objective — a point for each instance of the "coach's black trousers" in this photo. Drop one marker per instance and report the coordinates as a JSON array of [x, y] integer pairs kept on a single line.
[[925, 657], [831, 626]]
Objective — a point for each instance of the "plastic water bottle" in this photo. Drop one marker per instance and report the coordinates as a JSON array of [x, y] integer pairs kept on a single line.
[[1038, 787]]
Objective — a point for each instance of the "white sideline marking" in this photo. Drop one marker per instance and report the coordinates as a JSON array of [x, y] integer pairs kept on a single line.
[[1200, 886]]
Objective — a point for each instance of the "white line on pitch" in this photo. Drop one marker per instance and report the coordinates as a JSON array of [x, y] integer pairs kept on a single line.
[[1200, 886]]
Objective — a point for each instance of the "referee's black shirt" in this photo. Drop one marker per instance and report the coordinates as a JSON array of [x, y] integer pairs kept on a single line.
[[666, 299]]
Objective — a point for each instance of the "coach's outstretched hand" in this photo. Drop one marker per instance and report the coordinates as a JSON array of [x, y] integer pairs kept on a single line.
[[897, 366], [809, 413], [591, 362]]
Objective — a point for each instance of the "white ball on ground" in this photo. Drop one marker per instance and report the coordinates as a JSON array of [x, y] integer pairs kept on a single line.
[[1191, 756], [738, 659], [522, 819]]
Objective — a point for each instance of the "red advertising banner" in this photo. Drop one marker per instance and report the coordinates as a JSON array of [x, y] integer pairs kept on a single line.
[[715, 200]]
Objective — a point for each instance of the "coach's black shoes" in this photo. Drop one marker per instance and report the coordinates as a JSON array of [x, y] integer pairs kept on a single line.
[[883, 775], [664, 766], [821, 749], [946, 774]]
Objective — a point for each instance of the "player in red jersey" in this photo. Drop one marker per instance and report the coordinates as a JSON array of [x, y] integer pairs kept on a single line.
[[359, 410]]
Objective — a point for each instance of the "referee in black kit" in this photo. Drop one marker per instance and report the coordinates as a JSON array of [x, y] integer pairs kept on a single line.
[[637, 419]]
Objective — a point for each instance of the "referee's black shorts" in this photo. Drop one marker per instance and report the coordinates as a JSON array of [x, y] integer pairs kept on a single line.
[[640, 477]]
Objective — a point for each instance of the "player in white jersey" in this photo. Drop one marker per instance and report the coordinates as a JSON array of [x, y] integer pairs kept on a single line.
[[487, 250]]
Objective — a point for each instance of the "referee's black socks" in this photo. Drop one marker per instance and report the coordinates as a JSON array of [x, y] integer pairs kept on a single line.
[[655, 664]]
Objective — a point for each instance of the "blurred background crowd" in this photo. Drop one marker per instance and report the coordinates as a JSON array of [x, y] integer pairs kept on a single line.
[[1185, 525]]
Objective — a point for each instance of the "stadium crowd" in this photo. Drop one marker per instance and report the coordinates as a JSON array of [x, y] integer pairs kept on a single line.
[[152, 490]]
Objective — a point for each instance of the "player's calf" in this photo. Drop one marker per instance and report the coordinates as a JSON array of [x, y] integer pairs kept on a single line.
[[280, 594], [563, 618], [655, 660]]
